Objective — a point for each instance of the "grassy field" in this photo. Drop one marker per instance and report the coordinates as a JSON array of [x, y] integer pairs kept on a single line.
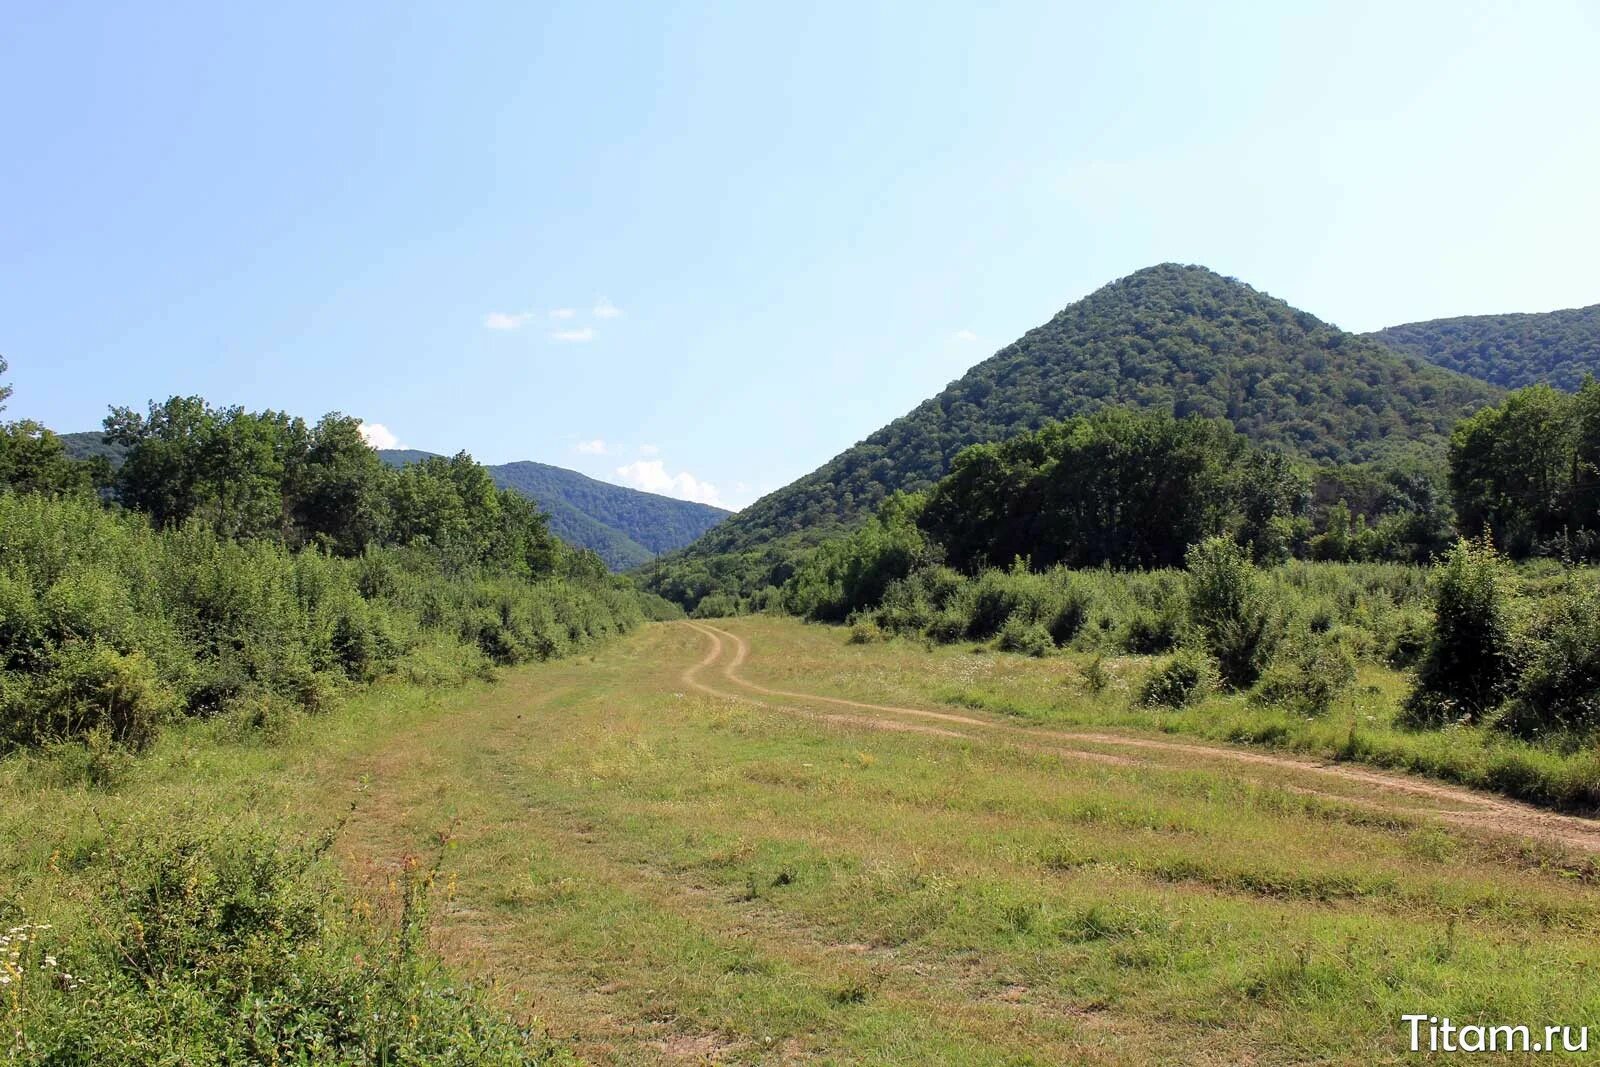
[[662, 873]]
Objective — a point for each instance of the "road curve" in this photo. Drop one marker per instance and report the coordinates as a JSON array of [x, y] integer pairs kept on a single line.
[[1456, 805]]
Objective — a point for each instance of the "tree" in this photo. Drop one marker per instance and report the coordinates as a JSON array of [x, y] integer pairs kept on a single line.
[[32, 460], [339, 493], [1512, 469], [5, 390]]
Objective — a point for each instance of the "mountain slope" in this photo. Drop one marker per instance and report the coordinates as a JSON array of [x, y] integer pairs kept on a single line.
[[1558, 347], [1181, 338], [625, 527]]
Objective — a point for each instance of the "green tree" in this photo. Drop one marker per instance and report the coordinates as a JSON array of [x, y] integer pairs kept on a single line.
[[32, 460], [1512, 469]]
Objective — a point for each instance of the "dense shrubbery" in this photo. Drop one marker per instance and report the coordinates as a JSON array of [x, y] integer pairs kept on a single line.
[[109, 626], [220, 948]]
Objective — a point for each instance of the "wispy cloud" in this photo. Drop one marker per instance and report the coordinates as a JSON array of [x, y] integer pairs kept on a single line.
[[377, 435], [649, 450], [562, 313], [597, 447], [964, 336], [576, 336], [507, 320], [605, 309], [652, 476]]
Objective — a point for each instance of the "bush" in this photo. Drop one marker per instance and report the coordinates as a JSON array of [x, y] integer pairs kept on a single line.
[[1028, 638], [1311, 682], [225, 948], [1470, 667], [1183, 680], [1559, 690], [1231, 611], [109, 627]]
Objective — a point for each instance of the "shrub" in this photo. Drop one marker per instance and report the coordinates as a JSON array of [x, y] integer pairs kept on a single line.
[[108, 627], [1231, 611], [1471, 663], [1183, 680], [227, 948], [1311, 682], [1028, 638], [1559, 690]]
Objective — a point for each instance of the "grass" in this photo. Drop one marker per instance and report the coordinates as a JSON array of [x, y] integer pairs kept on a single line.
[[1058, 690], [664, 876]]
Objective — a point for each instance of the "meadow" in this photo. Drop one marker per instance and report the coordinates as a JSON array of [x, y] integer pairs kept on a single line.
[[638, 856]]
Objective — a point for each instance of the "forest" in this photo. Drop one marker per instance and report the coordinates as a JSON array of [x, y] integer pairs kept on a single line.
[[1175, 338], [1558, 348]]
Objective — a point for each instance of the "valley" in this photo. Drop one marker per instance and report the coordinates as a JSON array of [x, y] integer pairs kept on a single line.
[[753, 842]]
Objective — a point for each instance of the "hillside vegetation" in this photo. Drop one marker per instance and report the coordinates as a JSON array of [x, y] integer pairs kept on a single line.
[[624, 527], [1180, 339], [1557, 347]]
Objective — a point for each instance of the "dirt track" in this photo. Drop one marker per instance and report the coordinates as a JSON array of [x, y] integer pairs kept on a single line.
[[1380, 790]]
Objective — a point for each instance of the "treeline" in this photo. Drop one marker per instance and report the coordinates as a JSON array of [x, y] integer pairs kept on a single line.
[[1134, 488], [252, 563]]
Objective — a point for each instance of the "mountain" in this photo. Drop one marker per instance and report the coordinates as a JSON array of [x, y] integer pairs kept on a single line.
[[1178, 338], [1558, 347], [652, 524], [625, 527]]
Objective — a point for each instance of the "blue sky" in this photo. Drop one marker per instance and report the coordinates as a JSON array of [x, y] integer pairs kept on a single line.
[[702, 249]]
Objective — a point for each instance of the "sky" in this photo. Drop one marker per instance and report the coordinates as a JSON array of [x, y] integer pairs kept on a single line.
[[702, 249]]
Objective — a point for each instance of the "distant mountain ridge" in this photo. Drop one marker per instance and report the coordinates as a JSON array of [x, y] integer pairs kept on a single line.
[[1558, 347], [1179, 338], [625, 527]]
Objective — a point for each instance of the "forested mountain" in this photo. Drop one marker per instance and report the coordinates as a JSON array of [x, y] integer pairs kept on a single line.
[[625, 527], [1556, 347], [1173, 338]]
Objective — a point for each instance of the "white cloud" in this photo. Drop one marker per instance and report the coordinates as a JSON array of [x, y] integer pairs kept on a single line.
[[507, 320], [579, 335], [964, 336], [651, 476], [377, 435], [597, 447], [649, 450], [605, 309], [562, 313]]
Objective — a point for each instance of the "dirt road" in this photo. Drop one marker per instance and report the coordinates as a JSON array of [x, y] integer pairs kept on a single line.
[[1364, 787]]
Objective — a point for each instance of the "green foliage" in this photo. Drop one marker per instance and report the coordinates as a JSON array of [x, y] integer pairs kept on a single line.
[[1183, 680], [221, 948], [847, 574], [1028, 638], [1471, 664], [33, 460], [1559, 688], [108, 626], [1526, 472], [1119, 487], [1557, 347], [630, 526], [1231, 611], [1171, 338], [1310, 681]]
